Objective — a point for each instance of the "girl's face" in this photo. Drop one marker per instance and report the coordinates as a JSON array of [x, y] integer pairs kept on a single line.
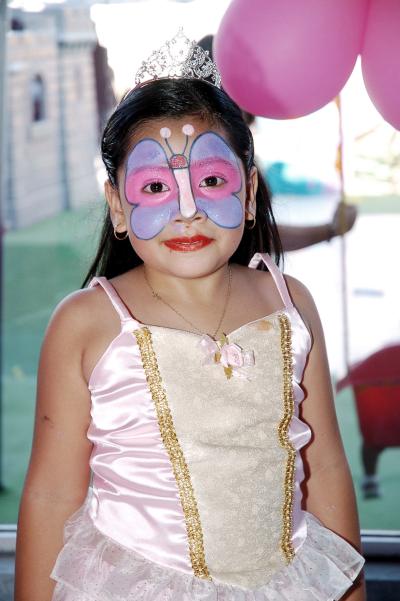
[[182, 196]]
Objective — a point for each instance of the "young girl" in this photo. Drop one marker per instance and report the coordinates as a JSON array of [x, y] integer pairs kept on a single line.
[[172, 386]]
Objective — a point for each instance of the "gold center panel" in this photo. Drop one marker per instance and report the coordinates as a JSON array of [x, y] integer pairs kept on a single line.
[[227, 432]]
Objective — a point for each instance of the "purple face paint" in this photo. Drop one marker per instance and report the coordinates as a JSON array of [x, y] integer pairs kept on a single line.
[[160, 188], [213, 161], [147, 171]]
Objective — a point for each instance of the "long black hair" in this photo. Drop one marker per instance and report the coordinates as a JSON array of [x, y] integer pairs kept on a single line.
[[176, 98]]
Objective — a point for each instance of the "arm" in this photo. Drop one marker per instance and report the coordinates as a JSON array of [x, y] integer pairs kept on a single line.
[[58, 474], [330, 493], [294, 237]]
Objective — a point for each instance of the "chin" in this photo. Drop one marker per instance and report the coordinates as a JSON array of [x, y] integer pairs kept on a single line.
[[187, 263], [193, 269], [192, 265]]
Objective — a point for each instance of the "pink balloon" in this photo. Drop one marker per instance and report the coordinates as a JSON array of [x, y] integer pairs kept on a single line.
[[288, 58], [380, 58]]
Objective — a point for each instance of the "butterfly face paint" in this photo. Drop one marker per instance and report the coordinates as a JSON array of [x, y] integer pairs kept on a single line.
[[160, 187]]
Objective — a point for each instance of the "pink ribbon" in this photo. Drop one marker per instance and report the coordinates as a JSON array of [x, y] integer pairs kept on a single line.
[[210, 347], [232, 355], [228, 354]]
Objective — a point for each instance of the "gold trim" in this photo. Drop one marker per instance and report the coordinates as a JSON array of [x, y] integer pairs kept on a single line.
[[283, 432], [171, 442]]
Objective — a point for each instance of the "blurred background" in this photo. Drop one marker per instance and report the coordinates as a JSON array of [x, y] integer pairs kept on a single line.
[[67, 64]]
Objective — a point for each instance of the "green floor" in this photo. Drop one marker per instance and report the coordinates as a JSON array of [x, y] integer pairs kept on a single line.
[[44, 263]]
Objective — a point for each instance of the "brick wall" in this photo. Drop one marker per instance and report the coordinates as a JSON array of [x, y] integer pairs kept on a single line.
[[50, 161]]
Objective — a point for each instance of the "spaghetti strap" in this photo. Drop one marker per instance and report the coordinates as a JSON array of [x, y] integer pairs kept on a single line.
[[114, 297], [276, 274]]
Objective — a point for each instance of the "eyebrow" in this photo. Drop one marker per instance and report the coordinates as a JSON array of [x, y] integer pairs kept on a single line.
[[210, 161], [149, 169]]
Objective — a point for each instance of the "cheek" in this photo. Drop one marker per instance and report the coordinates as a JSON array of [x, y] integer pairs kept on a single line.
[[147, 250]]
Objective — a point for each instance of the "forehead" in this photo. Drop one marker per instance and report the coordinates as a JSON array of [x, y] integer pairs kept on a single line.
[[151, 129]]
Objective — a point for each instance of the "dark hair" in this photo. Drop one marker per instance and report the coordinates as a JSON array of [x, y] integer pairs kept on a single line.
[[176, 98]]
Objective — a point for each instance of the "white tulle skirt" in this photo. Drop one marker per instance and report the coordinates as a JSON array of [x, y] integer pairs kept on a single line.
[[93, 567]]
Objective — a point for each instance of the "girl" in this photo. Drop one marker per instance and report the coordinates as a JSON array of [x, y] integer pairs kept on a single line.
[[173, 383]]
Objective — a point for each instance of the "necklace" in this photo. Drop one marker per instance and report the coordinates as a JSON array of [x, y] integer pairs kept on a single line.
[[228, 293]]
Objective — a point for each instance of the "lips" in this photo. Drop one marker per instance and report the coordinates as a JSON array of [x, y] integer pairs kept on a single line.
[[186, 244]]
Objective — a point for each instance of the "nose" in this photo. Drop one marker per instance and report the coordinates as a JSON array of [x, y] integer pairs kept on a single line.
[[187, 205]]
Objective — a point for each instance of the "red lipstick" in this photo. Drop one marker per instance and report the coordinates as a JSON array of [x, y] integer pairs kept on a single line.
[[186, 244]]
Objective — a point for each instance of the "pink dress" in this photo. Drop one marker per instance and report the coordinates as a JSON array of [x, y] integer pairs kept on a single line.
[[196, 470]]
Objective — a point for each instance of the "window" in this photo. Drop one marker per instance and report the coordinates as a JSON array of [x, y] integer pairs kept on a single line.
[[38, 99], [17, 24]]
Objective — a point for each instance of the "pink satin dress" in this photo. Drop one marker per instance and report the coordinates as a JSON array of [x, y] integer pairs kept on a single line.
[[196, 470]]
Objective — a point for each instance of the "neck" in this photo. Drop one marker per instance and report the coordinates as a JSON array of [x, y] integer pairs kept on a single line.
[[202, 289]]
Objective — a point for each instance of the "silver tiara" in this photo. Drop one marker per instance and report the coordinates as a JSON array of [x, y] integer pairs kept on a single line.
[[178, 58]]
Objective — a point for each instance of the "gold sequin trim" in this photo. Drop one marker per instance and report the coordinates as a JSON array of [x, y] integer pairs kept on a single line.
[[171, 442], [283, 431]]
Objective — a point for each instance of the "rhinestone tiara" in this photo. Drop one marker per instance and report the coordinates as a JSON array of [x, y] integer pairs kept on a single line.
[[178, 58]]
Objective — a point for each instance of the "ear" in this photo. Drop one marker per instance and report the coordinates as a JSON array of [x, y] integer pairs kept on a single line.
[[252, 186], [116, 211]]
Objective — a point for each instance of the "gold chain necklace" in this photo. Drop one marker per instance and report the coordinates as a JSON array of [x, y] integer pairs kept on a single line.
[[228, 293]]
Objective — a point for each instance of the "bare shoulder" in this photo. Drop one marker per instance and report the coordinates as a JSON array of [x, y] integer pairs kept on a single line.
[[75, 312], [304, 303], [300, 294], [77, 316]]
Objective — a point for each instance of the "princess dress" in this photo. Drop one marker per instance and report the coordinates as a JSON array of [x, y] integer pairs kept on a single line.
[[196, 471]]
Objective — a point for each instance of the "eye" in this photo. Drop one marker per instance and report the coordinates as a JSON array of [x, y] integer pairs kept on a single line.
[[155, 188], [212, 181]]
